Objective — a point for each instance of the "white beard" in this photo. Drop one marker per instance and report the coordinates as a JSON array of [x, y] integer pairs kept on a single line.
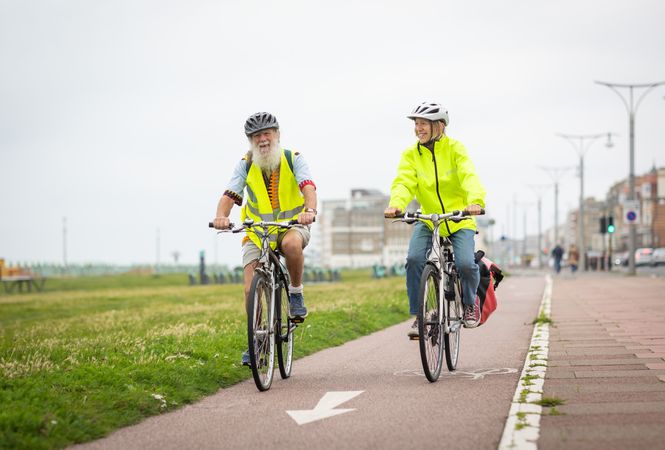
[[269, 160]]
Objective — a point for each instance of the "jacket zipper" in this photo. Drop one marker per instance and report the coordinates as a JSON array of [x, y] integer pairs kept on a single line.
[[438, 194]]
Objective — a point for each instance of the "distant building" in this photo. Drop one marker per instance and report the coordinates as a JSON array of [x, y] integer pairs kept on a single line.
[[354, 232], [650, 192]]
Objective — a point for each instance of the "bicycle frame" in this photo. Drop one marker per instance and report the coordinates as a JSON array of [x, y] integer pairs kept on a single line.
[[441, 256], [272, 275], [264, 262]]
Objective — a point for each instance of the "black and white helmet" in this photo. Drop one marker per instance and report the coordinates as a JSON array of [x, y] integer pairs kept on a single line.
[[259, 122], [430, 111]]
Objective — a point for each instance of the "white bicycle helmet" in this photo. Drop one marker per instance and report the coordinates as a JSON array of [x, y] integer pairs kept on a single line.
[[430, 111]]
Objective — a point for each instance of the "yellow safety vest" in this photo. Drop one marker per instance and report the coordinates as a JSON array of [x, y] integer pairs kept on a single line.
[[258, 206]]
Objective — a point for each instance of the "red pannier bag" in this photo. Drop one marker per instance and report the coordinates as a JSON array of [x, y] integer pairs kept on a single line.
[[490, 277]]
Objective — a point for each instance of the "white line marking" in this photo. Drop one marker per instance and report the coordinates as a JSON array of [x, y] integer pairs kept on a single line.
[[475, 374], [325, 408], [523, 424]]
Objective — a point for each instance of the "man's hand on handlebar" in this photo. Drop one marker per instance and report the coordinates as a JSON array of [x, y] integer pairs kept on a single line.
[[474, 210], [391, 212], [221, 223], [306, 218]]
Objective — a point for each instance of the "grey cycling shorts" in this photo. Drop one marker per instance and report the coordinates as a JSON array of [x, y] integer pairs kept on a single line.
[[250, 252]]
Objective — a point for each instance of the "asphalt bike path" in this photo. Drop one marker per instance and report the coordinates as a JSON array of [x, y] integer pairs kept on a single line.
[[367, 393]]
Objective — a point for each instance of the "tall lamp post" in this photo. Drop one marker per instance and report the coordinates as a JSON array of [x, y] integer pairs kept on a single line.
[[631, 108], [538, 189], [555, 174], [581, 143], [523, 259]]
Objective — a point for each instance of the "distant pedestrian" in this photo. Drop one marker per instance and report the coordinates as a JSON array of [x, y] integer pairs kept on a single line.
[[573, 257], [557, 254]]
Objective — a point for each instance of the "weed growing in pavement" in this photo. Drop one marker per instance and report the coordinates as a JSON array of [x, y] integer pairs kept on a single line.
[[521, 421], [532, 365], [80, 362], [550, 401], [528, 378], [542, 319], [555, 412]]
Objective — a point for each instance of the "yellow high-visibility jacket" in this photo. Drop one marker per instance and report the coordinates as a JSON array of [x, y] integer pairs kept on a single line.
[[258, 206], [442, 181]]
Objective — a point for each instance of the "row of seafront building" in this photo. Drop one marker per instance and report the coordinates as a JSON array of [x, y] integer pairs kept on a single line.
[[352, 232], [650, 225]]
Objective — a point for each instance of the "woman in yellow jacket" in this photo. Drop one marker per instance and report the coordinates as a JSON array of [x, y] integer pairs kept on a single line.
[[438, 172]]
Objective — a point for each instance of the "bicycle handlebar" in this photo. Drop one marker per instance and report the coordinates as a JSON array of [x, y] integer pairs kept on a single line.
[[455, 216], [251, 224]]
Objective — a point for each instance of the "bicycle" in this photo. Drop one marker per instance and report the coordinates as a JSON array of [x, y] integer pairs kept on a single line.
[[268, 320], [439, 321]]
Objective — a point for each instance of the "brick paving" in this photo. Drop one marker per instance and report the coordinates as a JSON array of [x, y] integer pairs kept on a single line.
[[607, 363]]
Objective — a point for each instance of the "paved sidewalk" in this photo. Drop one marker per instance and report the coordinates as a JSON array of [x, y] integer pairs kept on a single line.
[[607, 362]]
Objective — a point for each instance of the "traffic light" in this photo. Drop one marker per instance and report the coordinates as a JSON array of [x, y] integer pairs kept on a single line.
[[610, 224], [603, 225]]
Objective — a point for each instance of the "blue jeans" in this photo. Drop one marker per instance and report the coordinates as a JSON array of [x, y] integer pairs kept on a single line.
[[463, 249]]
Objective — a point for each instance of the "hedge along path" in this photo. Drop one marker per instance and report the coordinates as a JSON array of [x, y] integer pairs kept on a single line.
[[74, 366], [522, 427]]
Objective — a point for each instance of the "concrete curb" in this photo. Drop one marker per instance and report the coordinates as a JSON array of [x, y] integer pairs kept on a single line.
[[522, 427]]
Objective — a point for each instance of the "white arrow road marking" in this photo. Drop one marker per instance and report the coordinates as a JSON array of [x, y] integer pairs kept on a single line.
[[325, 408]]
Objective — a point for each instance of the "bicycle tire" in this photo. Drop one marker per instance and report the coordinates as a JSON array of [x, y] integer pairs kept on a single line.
[[430, 328], [260, 339], [284, 330], [453, 316]]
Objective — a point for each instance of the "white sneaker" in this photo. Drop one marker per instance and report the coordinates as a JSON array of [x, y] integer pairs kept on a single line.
[[413, 331]]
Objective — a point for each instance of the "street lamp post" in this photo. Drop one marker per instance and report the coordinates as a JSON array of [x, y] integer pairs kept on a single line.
[[523, 259], [556, 173], [539, 189], [631, 108], [581, 143]]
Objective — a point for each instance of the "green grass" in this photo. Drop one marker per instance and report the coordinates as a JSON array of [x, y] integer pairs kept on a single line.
[[95, 354]]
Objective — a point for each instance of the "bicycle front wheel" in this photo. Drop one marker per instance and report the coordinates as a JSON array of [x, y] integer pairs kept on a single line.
[[454, 320], [285, 327], [430, 325], [260, 336]]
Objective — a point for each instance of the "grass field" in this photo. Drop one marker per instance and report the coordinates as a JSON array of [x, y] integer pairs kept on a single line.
[[94, 354]]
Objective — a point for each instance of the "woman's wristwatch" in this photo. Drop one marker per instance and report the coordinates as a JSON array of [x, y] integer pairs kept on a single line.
[[309, 210]]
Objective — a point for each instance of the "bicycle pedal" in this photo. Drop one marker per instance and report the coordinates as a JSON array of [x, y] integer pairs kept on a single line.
[[297, 319], [414, 338]]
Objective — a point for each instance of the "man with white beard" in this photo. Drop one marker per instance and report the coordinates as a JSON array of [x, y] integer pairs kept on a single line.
[[278, 183]]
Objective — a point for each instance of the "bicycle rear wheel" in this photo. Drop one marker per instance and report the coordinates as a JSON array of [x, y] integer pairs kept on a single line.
[[285, 327], [260, 336], [454, 320], [430, 327]]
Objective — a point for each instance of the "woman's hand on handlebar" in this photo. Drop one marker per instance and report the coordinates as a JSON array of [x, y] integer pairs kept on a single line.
[[474, 210], [221, 223], [391, 212]]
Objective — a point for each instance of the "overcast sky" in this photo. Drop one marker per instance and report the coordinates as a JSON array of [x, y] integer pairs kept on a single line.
[[127, 116]]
